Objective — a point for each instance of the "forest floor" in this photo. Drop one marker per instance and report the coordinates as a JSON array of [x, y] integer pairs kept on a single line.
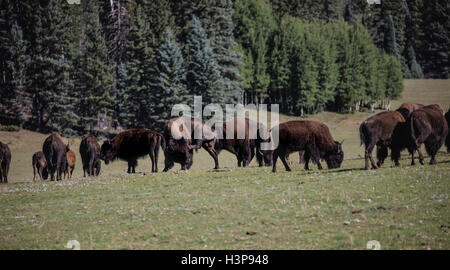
[[234, 208]]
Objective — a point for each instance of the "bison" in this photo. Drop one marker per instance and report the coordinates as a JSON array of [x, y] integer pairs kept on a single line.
[[311, 136], [447, 141], [408, 107], [379, 130], [427, 125], [70, 166], [5, 160], [131, 144], [243, 143], [181, 129], [90, 156], [55, 153], [39, 165]]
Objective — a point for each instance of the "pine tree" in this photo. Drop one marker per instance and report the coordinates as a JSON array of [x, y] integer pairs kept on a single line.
[[50, 65], [220, 30], [168, 82], [95, 76], [203, 76], [254, 24], [14, 101], [138, 65], [437, 37]]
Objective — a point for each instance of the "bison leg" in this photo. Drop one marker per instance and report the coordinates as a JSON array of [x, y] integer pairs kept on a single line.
[[191, 160], [152, 158], [156, 154], [382, 153], [282, 154], [421, 159], [286, 165], [213, 154], [132, 166], [314, 153], [307, 156], [368, 156], [34, 172], [300, 157], [168, 164], [274, 162]]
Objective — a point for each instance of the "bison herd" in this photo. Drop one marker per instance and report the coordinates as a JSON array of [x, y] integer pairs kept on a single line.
[[408, 127]]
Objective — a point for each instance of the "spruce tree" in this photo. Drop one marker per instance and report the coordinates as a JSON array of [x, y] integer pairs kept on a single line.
[[168, 82], [95, 76], [138, 65], [203, 76]]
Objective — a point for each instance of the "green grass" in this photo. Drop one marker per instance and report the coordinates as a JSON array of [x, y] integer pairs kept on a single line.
[[237, 208]]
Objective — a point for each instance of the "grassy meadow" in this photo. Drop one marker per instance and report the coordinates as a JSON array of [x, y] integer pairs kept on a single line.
[[234, 208]]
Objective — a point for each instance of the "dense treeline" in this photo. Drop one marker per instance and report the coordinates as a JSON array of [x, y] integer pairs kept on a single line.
[[103, 64]]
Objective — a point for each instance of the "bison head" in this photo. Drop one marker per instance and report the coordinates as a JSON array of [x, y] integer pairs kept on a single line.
[[265, 157], [180, 151], [107, 152], [335, 158]]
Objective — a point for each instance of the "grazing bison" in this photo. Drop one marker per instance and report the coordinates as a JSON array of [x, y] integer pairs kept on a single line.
[[184, 129], [40, 165], [379, 130], [90, 156], [70, 166], [408, 107], [131, 144], [5, 160], [243, 143], [427, 125], [447, 141], [311, 136], [55, 153]]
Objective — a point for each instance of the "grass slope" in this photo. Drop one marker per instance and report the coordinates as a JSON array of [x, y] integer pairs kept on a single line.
[[237, 208]]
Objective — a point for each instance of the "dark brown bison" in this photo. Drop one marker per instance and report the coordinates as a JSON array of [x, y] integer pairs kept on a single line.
[[311, 136], [447, 141], [243, 143], [181, 129], [131, 144], [39, 165], [55, 153], [70, 155], [5, 160], [379, 130], [427, 125], [408, 107], [90, 156]]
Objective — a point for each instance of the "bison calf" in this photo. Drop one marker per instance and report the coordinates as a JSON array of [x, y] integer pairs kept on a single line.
[[5, 160], [132, 144], [311, 136], [427, 125], [90, 156], [55, 153], [70, 155], [39, 166]]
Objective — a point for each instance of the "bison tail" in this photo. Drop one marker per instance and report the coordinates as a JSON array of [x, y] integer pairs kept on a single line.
[[363, 133], [412, 131]]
